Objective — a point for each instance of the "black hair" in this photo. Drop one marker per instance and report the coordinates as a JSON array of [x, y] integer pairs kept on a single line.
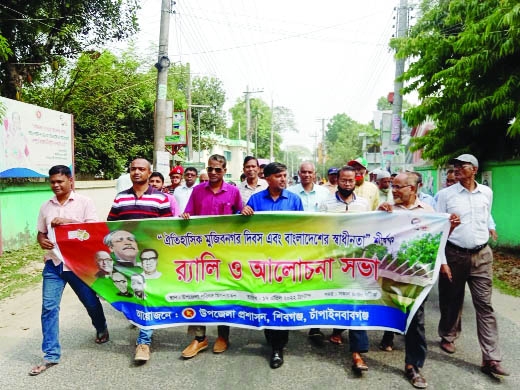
[[274, 167], [60, 170], [249, 158], [157, 174], [192, 169]]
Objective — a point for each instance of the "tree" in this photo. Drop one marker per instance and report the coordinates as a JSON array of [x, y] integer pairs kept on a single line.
[[260, 134], [39, 32], [342, 139], [208, 91], [384, 105], [464, 65], [112, 101]]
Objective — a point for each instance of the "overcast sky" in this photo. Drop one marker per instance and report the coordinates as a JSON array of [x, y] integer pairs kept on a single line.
[[316, 58]]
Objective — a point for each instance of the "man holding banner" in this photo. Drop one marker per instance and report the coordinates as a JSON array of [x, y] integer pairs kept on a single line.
[[215, 197], [140, 201], [404, 191], [65, 207], [274, 198]]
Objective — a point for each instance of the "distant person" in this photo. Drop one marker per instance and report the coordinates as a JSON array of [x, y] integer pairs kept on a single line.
[[203, 177], [252, 183], [423, 197], [121, 283], [150, 259], [274, 198], [105, 264], [183, 192], [138, 285], [157, 181], [384, 184], [216, 197], [176, 178], [469, 260], [332, 183], [66, 206], [364, 189], [261, 171], [242, 177], [146, 202]]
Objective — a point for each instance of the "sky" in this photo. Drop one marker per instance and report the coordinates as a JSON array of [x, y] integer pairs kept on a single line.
[[318, 59]]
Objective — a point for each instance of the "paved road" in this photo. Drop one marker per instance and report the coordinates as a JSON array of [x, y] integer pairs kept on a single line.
[[86, 365]]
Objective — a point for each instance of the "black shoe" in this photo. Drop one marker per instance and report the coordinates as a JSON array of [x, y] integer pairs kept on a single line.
[[276, 358], [317, 337]]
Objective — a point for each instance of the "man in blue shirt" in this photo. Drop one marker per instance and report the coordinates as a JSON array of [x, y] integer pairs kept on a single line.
[[274, 198]]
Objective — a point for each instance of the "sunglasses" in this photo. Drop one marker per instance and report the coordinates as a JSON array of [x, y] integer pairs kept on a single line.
[[217, 170]]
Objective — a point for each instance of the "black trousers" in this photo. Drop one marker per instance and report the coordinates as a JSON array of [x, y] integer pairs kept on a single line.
[[277, 338]]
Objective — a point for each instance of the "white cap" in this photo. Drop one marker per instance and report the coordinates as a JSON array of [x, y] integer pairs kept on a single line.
[[465, 158], [381, 174]]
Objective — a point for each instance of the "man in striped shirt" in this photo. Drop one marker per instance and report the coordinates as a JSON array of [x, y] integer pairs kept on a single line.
[[140, 201]]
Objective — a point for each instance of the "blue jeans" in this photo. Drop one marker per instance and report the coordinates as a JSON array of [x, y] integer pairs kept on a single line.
[[54, 281], [145, 336]]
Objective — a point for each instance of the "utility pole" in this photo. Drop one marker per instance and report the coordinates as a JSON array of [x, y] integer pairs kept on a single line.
[[271, 152], [189, 121], [322, 162], [402, 31], [198, 121], [162, 65], [248, 117]]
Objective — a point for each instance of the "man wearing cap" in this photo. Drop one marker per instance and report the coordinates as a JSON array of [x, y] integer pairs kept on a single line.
[[176, 178], [311, 194], [364, 188], [332, 184], [469, 259], [384, 184], [252, 182]]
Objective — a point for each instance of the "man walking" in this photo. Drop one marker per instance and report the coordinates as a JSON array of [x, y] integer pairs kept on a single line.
[[274, 198], [141, 201], [311, 194], [469, 260], [404, 189], [65, 207], [364, 189], [215, 197], [183, 192]]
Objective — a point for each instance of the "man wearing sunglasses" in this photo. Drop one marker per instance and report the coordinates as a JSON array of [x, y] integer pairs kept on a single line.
[[215, 197], [183, 192]]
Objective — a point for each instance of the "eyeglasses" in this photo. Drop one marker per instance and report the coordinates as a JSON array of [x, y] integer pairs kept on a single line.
[[148, 258], [190, 174], [347, 181], [217, 170], [396, 187]]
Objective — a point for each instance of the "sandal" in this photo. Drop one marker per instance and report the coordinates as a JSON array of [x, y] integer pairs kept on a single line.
[[37, 370], [336, 339], [103, 337]]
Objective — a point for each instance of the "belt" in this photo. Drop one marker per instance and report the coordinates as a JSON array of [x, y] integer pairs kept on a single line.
[[477, 249]]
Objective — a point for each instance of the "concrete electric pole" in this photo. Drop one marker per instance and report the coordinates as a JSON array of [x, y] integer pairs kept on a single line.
[[248, 117], [402, 31], [162, 65]]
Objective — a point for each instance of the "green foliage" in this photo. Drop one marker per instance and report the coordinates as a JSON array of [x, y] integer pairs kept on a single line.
[[422, 250], [260, 133], [5, 50], [40, 32], [384, 105], [342, 139], [464, 65], [378, 250]]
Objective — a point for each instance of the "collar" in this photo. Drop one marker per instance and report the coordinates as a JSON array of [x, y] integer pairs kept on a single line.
[[338, 198], [72, 196]]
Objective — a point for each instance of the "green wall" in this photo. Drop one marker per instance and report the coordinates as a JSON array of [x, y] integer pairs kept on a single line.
[[505, 183], [19, 207]]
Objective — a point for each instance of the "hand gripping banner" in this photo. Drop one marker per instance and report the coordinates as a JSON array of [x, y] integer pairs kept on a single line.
[[275, 270]]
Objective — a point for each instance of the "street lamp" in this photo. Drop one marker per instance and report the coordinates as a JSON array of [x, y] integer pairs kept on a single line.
[[198, 119]]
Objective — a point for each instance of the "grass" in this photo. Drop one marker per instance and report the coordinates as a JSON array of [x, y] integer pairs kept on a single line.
[[19, 269]]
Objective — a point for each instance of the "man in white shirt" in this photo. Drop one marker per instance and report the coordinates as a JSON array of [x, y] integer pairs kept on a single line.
[[311, 194], [253, 183], [469, 259], [384, 184], [183, 192]]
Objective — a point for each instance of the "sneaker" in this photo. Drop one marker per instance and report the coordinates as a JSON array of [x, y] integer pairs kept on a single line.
[[142, 353]]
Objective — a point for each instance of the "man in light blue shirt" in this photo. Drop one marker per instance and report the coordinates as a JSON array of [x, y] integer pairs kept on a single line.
[[311, 194]]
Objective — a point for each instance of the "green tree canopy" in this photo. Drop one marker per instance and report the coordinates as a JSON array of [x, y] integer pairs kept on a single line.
[[464, 58], [342, 140], [39, 32]]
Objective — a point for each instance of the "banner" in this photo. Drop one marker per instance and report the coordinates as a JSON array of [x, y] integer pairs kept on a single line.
[[33, 139], [274, 270]]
